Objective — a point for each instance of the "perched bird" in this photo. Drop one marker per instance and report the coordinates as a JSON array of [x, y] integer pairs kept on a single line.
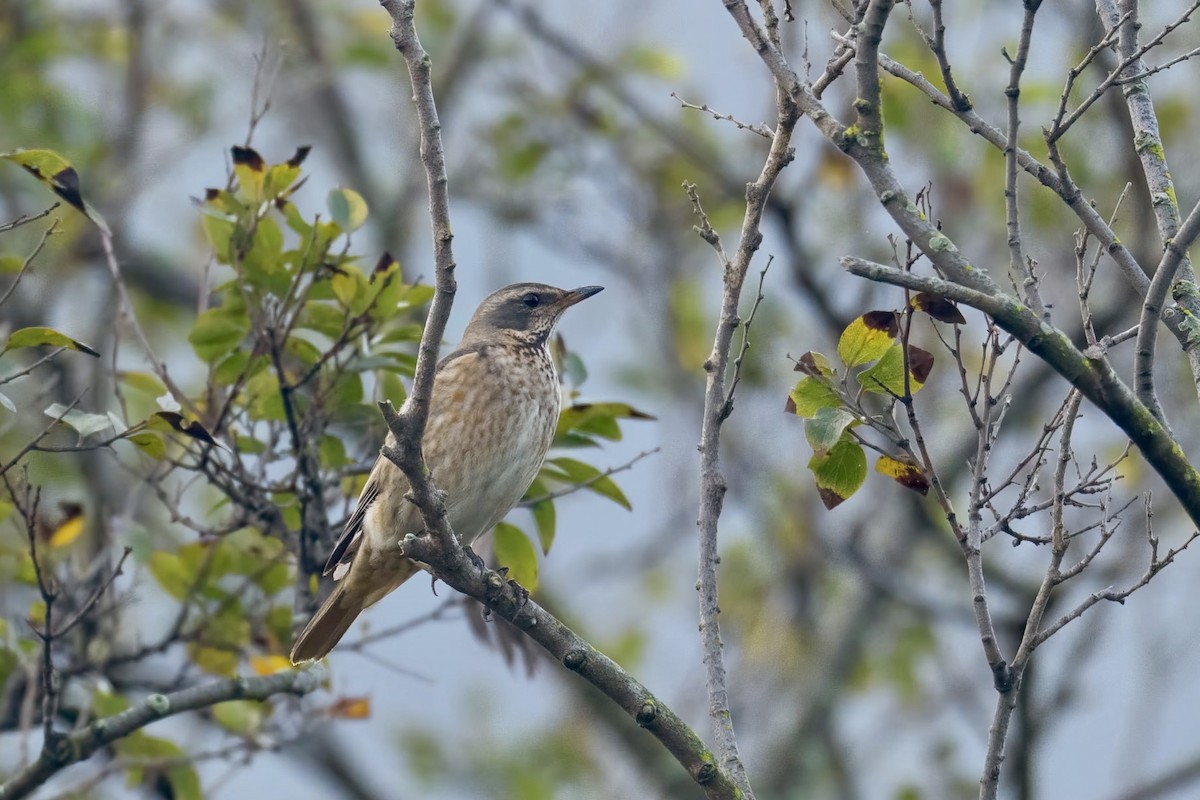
[[492, 416]]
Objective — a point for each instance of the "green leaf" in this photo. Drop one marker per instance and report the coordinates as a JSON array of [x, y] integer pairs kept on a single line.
[[544, 516], [216, 332], [809, 396], [826, 427], [10, 264], [242, 717], [58, 174], [149, 443], [323, 318], [172, 573], [839, 472], [582, 415], [347, 208], [142, 747], [82, 422], [868, 337], [38, 336], [350, 287], [515, 551], [887, 376], [578, 472], [264, 258], [144, 382], [219, 231]]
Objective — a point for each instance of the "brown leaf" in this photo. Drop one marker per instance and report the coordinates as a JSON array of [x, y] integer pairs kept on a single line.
[[193, 428], [920, 363], [904, 472], [301, 153], [248, 157], [350, 708], [830, 498], [939, 308], [883, 321]]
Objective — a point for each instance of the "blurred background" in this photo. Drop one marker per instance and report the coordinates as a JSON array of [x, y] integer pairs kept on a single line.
[[855, 665]]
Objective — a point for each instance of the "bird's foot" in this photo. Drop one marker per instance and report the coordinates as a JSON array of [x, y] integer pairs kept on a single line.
[[521, 593], [433, 579], [475, 560]]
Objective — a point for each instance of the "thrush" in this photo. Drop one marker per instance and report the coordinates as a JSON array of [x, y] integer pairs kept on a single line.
[[492, 415]]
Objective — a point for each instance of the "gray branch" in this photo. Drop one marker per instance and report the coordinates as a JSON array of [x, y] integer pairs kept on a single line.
[[63, 750]]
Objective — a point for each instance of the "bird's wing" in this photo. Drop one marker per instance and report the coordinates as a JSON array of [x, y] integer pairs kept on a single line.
[[347, 546], [351, 539]]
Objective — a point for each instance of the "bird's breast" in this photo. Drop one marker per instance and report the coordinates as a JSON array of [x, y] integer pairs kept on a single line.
[[491, 422]]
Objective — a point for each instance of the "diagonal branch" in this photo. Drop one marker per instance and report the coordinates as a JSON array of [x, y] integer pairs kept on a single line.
[[63, 750]]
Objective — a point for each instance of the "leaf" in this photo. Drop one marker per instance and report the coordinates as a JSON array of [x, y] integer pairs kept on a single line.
[[904, 472], [809, 396], [57, 173], [868, 337], [143, 382], [144, 749], [584, 415], [70, 529], [939, 308], [216, 332], [578, 472], [347, 208], [250, 170], [887, 376], [814, 364], [241, 717], [826, 427], [149, 443], [544, 515], [38, 336], [172, 573], [840, 472], [219, 231], [350, 708], [269, 665], [348, 284], [213, 660], [515, 551], [175, 422], [83, 423]]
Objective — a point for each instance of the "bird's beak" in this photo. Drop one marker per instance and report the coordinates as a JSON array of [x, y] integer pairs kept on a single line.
[[579, 295]]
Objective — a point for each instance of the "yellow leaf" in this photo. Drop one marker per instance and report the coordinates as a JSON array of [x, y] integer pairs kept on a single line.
[[68, 532], [267, 665], [351, 708]]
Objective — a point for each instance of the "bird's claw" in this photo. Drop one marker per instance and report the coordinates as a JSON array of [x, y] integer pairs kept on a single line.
[[475, 560], [521, 593]]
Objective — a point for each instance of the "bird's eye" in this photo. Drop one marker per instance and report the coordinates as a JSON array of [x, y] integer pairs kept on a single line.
[[531, 300]]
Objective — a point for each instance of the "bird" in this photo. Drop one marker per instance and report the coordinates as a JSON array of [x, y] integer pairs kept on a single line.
[[492, 415]]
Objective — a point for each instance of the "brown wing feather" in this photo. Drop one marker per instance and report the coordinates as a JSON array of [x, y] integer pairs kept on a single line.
[[347, 546]]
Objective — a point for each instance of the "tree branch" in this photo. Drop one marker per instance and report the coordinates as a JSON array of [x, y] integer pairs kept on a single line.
[[63, 750]]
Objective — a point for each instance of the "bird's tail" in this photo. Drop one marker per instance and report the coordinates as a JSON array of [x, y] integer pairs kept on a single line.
[[342, 607], [328, 625]]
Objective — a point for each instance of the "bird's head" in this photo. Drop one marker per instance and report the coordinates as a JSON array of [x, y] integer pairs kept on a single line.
[[523, 313]]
